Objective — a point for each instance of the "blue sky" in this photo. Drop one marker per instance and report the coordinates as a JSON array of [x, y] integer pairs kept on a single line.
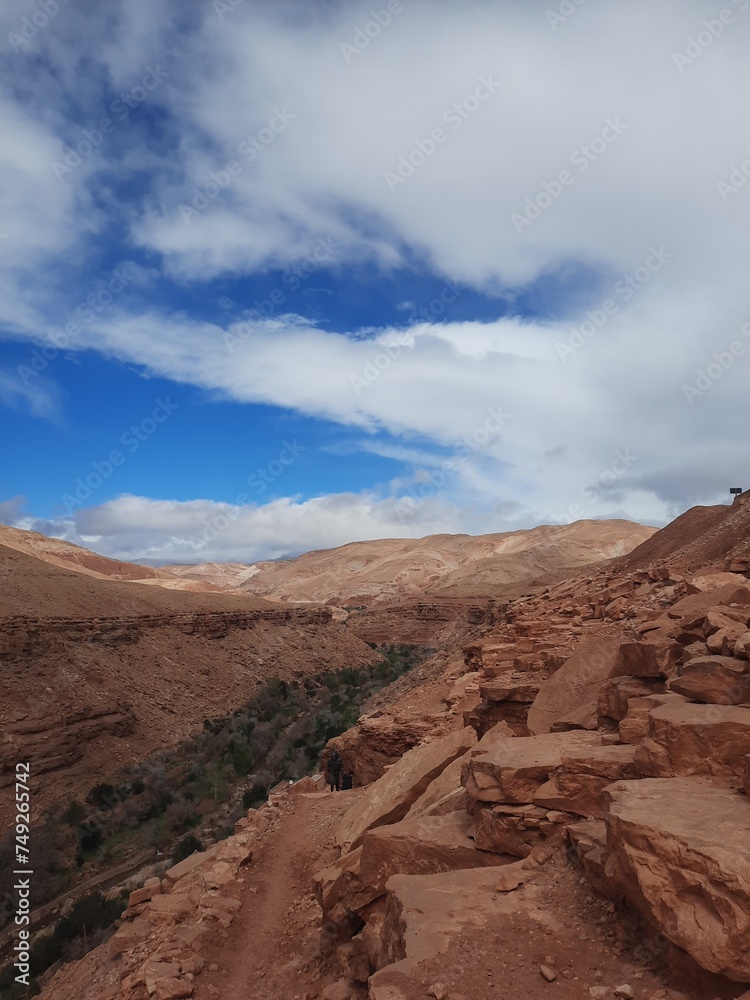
[[281, 276]]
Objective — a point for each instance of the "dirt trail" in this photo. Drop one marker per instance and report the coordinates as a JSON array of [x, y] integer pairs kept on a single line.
[[273, 948]]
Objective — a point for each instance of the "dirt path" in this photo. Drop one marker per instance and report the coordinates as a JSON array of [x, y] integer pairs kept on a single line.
[[273, 948]]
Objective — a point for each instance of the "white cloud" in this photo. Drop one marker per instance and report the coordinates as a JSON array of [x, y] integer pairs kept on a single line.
[[323, 174], [159, 531]]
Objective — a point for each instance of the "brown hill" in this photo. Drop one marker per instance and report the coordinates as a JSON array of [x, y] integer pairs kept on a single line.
[[454, 566], [69, 556], [703, 537], [96, 673]]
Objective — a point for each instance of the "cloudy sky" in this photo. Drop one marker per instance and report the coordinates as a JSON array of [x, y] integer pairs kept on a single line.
[[280, 275]]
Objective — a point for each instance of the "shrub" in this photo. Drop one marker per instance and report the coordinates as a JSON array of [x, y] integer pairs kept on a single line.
[[255, 795], [185, 847], [102, 796], [75, 813]]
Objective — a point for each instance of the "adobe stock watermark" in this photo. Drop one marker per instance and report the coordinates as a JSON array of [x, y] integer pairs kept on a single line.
[[249, 149], [366, 33], [264, 309], [388, 352], [89, 309], [120, 108], [436, 480], [563, 13], [130, 440], [224, 7], [624, 290], [32, 24], [739, 174], [581, 158], [720, 364], [593, 490], [259, 481], [710, 29], [454, 116], [436, 307]]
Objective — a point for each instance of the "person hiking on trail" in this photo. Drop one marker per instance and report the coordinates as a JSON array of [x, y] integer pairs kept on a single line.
[[346, 781], [335, 766]]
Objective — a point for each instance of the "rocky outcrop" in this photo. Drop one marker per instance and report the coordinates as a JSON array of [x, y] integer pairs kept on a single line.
[[576, 683], [390, 798], [377, 741], [690, 739], [424, 913], [717, 680], [677, 848], [579, 784], [420, 845], [55, 743], [502, 770], [23, 637], [506, 697], [162, 944]]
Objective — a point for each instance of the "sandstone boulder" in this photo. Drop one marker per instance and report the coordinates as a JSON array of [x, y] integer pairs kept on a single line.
[[635, 726], [585, 717], [650, 657], [443, 795], [697, 604], [389, 799], [578, 786], [717, 680], [706, 582], [576, 683], [420, 846], [677, 849], [425, 913], [724, 640], [340, 890], [513, 770], [184, 867], [511, 830], [615, 694], [690, 739], [376, 742], [742, 646]]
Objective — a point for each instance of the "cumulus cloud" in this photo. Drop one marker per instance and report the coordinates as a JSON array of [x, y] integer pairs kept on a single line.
[[593, 145], [160, 531]]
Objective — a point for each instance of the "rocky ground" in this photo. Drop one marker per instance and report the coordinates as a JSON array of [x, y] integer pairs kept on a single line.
[[552, 935], [557, 806]]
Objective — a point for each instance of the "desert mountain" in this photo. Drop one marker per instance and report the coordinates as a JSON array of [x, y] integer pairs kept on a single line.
[[69, 556], [703, 537], [557, 800], [455, 566], [97, 673]]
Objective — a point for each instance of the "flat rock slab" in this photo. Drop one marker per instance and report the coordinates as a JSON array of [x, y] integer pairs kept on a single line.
[[421, 846], [678, 849], [425, 912], [512, 770], [689, 739], [511, 686], [389, 799], [578, 786]]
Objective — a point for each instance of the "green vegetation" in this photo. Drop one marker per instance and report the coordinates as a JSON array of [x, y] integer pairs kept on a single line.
[[83, 928], [278, 735]]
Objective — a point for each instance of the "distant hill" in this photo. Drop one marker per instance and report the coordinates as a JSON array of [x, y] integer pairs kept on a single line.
[[437, 565]]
